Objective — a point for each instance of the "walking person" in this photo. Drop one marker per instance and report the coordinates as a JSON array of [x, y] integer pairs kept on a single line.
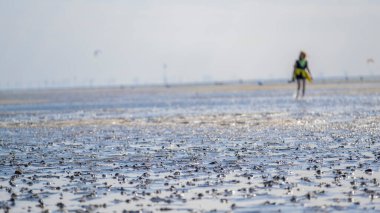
[[301, 73]]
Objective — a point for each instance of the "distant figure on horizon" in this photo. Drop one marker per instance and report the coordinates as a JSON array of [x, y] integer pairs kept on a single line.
[[301, 73]]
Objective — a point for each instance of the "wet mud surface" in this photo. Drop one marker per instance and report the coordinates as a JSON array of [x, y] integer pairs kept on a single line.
[[191, 150]]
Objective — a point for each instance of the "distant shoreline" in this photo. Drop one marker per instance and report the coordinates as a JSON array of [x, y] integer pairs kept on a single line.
[[258, 82]]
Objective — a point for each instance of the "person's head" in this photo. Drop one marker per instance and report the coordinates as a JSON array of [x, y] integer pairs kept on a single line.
[[302, 55]]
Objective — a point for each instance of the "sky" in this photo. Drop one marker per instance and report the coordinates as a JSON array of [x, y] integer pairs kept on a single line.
[[55, 43]]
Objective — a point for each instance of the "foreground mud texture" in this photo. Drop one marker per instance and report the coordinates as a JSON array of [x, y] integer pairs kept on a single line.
[[220, 148]]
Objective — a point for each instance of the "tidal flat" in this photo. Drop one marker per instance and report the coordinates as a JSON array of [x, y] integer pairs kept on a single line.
[[200, 148]]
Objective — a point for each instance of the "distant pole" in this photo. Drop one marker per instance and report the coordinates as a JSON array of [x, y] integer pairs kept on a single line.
[[369, 62], [164, 78], [96, 54], [345, 76]]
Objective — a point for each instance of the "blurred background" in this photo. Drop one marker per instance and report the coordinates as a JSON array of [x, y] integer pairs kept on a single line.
[[71, 43]]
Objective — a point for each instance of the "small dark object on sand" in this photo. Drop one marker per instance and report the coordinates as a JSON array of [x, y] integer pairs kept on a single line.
[[61, 205]]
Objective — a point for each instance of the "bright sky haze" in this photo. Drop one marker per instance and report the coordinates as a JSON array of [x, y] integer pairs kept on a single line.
[[129, 42]]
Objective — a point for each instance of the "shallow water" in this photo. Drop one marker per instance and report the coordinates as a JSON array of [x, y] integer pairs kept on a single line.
[[191, 149]]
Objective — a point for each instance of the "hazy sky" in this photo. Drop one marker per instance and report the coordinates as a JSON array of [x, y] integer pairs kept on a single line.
[[53, 42]]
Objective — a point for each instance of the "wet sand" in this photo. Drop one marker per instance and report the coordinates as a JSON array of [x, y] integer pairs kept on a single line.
[[220, 148]]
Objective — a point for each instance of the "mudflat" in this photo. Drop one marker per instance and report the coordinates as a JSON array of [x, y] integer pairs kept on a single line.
[[195, 148]]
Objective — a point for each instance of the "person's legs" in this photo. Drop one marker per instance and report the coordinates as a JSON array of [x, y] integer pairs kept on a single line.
[[303, 87], [298, 87]]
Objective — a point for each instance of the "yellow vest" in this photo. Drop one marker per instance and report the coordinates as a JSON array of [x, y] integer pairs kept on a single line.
[[303, 73]]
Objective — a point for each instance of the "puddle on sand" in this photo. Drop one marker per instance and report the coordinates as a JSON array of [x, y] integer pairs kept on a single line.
[[194, 153]]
